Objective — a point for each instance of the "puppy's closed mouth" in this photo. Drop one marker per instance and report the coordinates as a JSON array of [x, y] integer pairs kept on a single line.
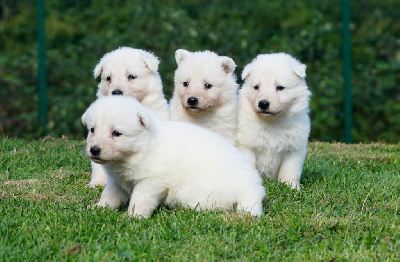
[[193, 108], [267, 113], [99, 160]]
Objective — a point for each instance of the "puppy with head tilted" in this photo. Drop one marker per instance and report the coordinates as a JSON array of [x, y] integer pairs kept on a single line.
[[130, 72], [150, 161], [205, 91], [273, 120]]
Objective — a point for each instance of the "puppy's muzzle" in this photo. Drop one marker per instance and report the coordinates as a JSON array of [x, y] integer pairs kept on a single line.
[[117, 92], [192, 101], [263, 105], [95, 150]]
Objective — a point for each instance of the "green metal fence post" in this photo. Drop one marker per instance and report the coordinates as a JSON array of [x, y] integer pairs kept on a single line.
[[42, 64], [346, 49]]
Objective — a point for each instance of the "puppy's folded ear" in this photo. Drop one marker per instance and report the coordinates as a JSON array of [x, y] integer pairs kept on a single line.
[[144, 120], [180, 55], [246, 71], [228, 65], [98, 69], [151, 61], [300, 70]]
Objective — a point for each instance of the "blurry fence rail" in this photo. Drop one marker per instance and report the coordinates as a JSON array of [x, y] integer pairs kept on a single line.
[[78, 33]]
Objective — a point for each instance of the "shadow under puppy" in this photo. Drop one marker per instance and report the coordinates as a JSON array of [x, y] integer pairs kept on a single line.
[[130, 72], [150, 161]]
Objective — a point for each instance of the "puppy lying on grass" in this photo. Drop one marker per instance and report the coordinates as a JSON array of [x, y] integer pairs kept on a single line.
[[150, 161]]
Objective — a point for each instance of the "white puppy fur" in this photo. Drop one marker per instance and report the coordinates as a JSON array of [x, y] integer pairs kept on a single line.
[[273, 120], [205, 91], [150, 161], [130, 72]]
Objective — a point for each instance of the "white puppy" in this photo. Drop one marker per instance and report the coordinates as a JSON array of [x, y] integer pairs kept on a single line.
[[132, 72], [205, 91], [129, 72], [273, 120], [150, 161]]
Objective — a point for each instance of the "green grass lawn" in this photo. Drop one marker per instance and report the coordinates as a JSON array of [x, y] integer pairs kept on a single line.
[[347, 210]]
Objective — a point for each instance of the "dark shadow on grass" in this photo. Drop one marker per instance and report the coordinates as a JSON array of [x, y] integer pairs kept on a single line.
[[310, 178]]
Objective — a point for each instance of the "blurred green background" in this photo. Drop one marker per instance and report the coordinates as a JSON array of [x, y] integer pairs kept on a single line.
[[79, 32]]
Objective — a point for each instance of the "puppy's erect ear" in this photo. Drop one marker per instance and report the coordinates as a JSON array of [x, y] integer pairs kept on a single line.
[[300, 70], [228, 65], [97, 70], [87, 117], [151, 61], [84, 118], [144, 120], [180, 55], [246, 71]]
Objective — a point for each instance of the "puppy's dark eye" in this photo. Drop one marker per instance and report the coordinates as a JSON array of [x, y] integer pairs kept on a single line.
[[108, 78], [116, 133], [256, 87], [185, 83], [208, 86], [280, 88], [131, 77], [92, 130]]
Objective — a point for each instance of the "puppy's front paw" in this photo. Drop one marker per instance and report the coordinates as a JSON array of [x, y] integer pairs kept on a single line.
[[90, 185], [95, 184], [91, 206], [98, 205], [294, 184], [138, 216], [140, 213]]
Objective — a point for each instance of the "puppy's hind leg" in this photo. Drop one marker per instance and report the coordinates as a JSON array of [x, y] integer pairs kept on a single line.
[[99, 175]]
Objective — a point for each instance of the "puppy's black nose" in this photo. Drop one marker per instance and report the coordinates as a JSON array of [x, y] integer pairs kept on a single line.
[[263, 104], [95, 150], [193, 101], [117, 92]]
